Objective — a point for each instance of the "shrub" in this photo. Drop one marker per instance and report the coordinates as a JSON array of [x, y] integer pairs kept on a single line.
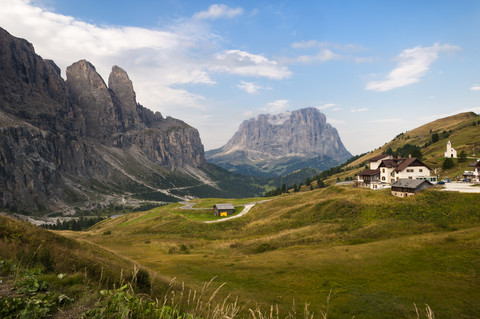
[[264, 248], [448, 163], [462, 157]]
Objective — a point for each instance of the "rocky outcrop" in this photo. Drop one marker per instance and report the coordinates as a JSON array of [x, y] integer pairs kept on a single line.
[[264, 143], [122, 88], [67, 139]]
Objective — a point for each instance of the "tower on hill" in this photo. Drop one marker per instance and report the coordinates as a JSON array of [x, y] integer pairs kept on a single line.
[[450, 152]]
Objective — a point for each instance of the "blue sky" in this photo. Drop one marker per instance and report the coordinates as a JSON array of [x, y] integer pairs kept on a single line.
[[375, 68]]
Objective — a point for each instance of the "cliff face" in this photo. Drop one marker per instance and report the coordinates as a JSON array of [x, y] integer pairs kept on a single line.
[[57, 136], [294, 137]]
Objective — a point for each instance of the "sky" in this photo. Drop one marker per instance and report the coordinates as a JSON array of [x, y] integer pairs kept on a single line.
[[374, 68]]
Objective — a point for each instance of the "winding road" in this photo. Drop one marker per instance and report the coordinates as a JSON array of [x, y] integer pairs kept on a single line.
[[246, 209]]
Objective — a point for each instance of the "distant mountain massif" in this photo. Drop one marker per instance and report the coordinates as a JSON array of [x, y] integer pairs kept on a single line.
[[81, 143], [275, 145]]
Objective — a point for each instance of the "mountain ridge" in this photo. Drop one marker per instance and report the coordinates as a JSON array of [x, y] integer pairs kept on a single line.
[[273, 145], [80, 143]]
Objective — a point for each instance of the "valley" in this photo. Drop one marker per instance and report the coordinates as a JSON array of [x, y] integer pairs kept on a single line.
[[376, 254], [307, 236]]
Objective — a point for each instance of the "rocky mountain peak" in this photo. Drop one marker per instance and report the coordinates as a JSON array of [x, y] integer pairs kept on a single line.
[[296, 136], [57, 134], [122, 87], [88, 90]]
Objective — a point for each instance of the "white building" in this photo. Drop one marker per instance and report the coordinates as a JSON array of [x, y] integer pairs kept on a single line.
[[450, 152], [386, 170], [377, 160], [392, 170]]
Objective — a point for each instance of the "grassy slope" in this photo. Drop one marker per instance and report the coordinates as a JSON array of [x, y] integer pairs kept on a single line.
[[464, 136], [378, 254], [86, 268]]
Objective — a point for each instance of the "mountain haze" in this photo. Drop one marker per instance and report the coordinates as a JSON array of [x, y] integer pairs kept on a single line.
[[270, 145]]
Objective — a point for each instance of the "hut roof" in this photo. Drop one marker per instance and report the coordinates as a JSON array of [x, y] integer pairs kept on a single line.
[[224, 206], [409, 183]]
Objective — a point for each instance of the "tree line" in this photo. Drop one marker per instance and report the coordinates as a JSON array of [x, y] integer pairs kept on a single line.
[[79, 224], [319, 178]]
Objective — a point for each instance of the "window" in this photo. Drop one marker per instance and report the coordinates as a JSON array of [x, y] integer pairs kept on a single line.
[[383, 170], [383, 178], [420, 170], [410, 170]]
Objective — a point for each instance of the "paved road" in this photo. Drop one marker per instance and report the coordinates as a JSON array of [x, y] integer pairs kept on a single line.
[[245, 210], [461, 187], [189, 205]]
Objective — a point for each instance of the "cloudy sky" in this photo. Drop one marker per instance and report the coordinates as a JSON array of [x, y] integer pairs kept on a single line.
[[374, 68]]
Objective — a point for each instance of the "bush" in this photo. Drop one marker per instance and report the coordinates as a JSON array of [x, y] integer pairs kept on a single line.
[[448, 163], [462, 157], [264, 248]]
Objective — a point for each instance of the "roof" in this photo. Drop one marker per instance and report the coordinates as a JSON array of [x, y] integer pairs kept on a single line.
[[224, 206], [401, 163], [378, 157], [370, 172], [410, 183]]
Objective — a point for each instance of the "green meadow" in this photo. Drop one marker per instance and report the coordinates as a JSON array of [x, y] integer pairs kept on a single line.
[[374, 254]]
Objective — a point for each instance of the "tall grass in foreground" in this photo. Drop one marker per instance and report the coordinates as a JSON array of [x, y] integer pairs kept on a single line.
[[42, 295], [176, 304]]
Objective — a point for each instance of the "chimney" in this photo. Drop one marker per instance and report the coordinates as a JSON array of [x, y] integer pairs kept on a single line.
[[409, 155]]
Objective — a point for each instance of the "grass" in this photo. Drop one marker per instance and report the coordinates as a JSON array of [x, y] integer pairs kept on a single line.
[[376, 254], [463, 137], [202, 215], [209, 202]]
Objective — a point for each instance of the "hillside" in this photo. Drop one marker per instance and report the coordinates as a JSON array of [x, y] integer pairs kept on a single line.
[[458, 129], [45, 275], [376, 254], [463, 130]]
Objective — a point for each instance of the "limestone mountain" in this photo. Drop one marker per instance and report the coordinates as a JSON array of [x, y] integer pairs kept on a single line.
[[81, 143], [272, 145]]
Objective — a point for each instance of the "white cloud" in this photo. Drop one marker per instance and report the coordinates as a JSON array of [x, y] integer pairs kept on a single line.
[[325, 106], [244, 63], [275, 107], [412, 65], [387, 120], [323, 55], [324, 44], [362, 109], [216, 11], [249, 87], [248, 114], [157, 60], [475, 87], [336, 122], [325, 52], [471, 109]]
